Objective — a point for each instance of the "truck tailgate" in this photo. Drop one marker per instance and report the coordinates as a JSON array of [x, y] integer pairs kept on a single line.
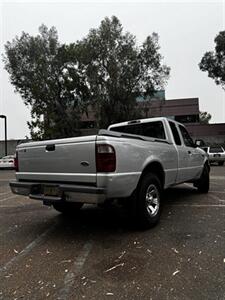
[[64, 160]]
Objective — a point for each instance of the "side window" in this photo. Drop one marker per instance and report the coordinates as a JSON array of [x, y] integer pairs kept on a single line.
[[151, 129], [186, 137], [175, 133]]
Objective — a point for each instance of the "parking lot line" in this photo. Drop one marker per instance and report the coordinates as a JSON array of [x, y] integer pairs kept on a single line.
[[28, 248], [217, 177], [5, 193], [75, 270], [5, 199], [215, 183], [214, 197]]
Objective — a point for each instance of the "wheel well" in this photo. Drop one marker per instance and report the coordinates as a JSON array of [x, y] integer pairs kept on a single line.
[[154, 168], [207, 165]]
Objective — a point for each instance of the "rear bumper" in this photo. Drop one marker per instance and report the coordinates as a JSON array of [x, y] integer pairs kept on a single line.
[[67, 192], [7, 167], [216, 159]]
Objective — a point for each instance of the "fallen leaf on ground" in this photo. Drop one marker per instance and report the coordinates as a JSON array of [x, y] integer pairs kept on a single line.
[[174, 273], [175, 250], [114, 267]]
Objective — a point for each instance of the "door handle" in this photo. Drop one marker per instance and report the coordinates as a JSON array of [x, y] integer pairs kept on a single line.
[[50, 147]]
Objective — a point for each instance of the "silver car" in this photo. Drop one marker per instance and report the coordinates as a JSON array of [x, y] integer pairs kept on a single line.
[[7, 162], [216, 154]]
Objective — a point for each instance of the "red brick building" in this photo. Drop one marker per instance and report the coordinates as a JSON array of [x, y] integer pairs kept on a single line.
[[184, 110], [210, 133]]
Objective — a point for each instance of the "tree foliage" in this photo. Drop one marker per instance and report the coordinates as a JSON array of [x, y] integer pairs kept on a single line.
[[49, 81], [106, 69], [214, 61], [118, 70], [204, 117]]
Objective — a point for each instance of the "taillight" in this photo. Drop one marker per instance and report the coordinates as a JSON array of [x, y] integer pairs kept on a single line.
[[105, 158], [16, 163]]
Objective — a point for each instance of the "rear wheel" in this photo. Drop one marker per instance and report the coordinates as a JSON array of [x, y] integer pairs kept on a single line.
[[68, 208], [203, 183], [148, 201], [220, 163]]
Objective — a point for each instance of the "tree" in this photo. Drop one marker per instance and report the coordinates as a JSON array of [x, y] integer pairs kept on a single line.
[[204, 117], [214, 61], [106, 70], [50, 82], [118, 70]]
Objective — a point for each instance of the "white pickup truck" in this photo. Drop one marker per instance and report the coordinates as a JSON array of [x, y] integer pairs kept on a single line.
[[132, 161]]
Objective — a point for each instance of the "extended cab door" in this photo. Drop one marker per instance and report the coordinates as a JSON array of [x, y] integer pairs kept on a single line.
[[191, 159], [181, 153]]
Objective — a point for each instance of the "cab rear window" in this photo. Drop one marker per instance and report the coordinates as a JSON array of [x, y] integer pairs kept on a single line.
[[151, 129]]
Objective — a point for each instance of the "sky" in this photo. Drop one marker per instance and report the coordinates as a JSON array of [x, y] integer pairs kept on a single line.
[[186, 31]]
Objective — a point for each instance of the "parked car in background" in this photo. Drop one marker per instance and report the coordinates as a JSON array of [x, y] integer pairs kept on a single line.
[[7, 162], [216, 154]]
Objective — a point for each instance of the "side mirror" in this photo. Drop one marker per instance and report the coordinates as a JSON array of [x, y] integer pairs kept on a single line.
[[199, 143]]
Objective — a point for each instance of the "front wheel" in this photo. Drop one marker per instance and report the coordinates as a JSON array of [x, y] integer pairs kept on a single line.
[[203, 183], [148, 201], [68, 208]]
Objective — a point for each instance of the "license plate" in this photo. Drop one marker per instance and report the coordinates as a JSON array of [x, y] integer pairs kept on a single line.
[[51, 191], [216, 155]]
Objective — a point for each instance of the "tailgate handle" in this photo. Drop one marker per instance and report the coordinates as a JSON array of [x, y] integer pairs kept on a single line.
[[50, 147]]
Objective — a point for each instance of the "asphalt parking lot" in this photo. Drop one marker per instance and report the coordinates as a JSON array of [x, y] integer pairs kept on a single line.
[[98, 255]]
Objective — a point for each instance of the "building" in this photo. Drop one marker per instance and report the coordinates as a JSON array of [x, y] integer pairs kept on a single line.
[[211, 134], [182, 110], [186, 111], [11, 146]]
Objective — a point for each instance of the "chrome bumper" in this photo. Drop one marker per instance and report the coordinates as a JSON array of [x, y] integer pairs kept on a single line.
[[67, 192]]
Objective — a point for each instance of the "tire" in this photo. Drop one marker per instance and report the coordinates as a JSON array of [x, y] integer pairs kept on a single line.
[[148, 202], [203, 183], [67, 208], [220, 163]]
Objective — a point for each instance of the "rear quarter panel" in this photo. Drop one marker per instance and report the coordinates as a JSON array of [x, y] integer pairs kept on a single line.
[[132, 156]]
